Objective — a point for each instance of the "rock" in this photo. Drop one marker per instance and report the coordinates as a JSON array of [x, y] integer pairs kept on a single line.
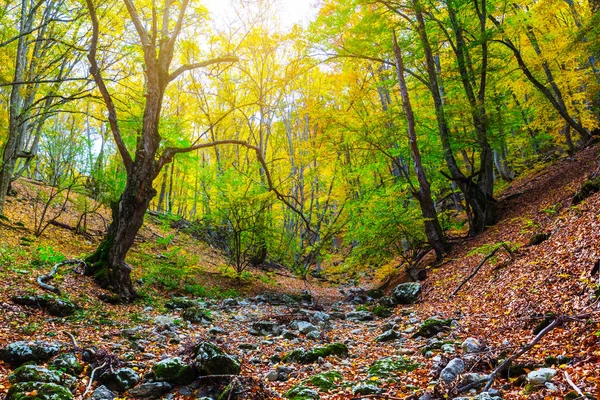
[[182, 303], [272, 376], [18, 353], [301, 392], [539, 238], [34, 373], [247, 346], [68, 363], [313, 335], [53, 305], [387, 301], [454, 368], [38, 391], [150, 390], [306, 327], [121, 380], [473, 377], [541, 376], [173, 370], [471, 345], [432, 327], [287, 334], [406, 293], [164, 321], [266, 328], [230, 303], [337, 315], [102, 393], [387, 367], [211, 360], [283, 373], [197, 315], [360, 316], [307, 357], [382, 311], [366, 388], [387, 336], [551, 386], [216, 331], [321, 317], [448, 348]]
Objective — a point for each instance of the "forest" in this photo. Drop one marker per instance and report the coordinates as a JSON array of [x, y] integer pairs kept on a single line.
[[378, 199]]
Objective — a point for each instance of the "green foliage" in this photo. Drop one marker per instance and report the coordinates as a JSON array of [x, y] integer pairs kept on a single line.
[[165, 241], [45, 255]]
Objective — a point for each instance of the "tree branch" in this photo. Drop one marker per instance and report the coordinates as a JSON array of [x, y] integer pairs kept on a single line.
[[137, 23], [95, 71], [189, 67]]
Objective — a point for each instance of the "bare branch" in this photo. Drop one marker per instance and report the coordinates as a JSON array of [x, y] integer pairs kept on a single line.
[[137, 23], [189, 67], [95, 71]]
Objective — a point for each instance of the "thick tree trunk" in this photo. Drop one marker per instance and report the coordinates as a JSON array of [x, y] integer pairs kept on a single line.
[[107, 264]]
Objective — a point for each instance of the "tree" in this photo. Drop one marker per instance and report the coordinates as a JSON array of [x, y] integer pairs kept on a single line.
[[107, 264]]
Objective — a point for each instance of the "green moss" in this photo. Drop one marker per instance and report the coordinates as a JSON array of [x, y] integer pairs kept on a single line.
[[301, 392], [326, 381], [389, 366], [381, 311], [38, 391], [307, 357], [432, 327], [173, 370]]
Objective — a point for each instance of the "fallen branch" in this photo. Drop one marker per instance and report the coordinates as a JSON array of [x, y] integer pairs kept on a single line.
[[481, 263], [89, 385], [558, 321], [573, 385], [42, 279]]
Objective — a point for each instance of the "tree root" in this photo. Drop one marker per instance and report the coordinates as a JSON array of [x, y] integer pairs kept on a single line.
[[42, 279]]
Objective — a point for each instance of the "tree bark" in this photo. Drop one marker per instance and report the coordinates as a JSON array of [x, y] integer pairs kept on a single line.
[[433, 230]]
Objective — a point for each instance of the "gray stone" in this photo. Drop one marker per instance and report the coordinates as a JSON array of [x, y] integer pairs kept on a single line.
[[164, 321], [230, 303], [313, 335], [541, 376], [216, 331], [454, 368], [53, 305], [471, 345], [448, 348], [272, 376], [387, 336], [551, 386], [266, 328], [68, 363], [366, 388], [211, 360], [306, 327], [18, 353], [197, 315], [360, 316], [34, 373], [102, 393], [121, 380], [406, 293], [150, 390], [320, 316]]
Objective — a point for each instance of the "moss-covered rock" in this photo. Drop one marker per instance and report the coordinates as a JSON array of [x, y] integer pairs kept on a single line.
[[381, 311], [53, 305], [19, 353], [197, 315], [587, 189], [34, 373], [67, 362], [182, 303], [389, 366], [301, 392], [326, 381], [211, 360], [310, 356], [366, 388], [432, 327], [538, 238], [173, 370], [387, 336], [121, 380], [38, 391], [406, 293]]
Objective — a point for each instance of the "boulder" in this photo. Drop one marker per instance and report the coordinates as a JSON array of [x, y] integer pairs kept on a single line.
[[211, 360], [310, 356], [387, 301], [432, 327], [541, 376], [150, 390], [53, 305], [18, 353], [454, 368], [102, 393], [302, 393], [68, 363], [34, 373], [471, 345], [406, 293], [387, 336], [182, 303], [306, 327], [265, 328], [366, 388], [197, 315], [121, 380], [360, 316], [38, 391], [389, 366], [173, 370]]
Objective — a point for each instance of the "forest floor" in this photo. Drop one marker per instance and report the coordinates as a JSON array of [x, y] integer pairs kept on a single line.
[[499, 306]]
